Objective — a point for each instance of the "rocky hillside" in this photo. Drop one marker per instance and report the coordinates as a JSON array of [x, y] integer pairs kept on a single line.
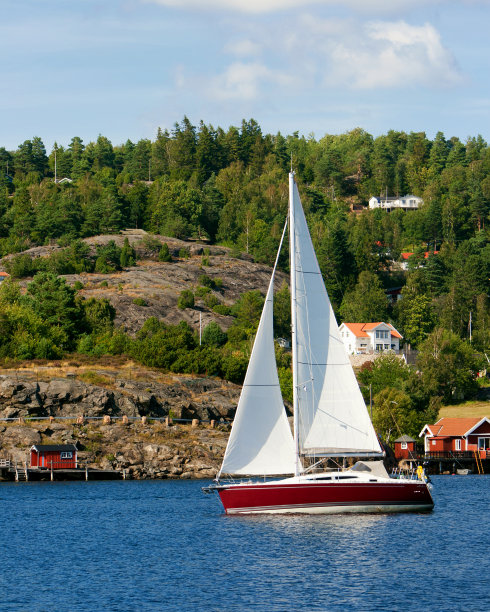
[[143, 450], [39, 399], [159, 284], [71, 389]]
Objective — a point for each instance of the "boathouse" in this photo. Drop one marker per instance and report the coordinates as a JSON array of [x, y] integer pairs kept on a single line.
[[457, 434], [405, 448], [54, 456]]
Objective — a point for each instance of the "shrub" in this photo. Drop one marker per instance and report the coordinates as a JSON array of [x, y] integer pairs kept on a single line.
[[205, 281], [222, 309], [213, 335], [140, 302], [184, 253], [186, 299], [211, 300], [200, 292], [164, 253]]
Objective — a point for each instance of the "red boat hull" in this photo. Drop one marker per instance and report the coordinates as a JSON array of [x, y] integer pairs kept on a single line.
[[324, 498]]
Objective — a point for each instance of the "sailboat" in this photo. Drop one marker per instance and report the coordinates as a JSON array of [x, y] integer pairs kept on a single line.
[[330, 418]]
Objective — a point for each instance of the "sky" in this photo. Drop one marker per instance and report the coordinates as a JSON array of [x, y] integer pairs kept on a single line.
[[123, 68]]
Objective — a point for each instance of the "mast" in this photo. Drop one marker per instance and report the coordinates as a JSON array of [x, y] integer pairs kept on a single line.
[[292, 265]]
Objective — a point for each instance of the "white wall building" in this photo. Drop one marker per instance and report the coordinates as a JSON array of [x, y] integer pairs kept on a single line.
[[361, 338], [408, 202]]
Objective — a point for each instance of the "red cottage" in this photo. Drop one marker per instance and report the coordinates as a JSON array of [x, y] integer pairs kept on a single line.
[[405, 448], [56, 456], [458, 434]]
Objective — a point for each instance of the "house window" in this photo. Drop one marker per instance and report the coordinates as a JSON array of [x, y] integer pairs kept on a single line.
[[379, 347], [433, 442], [404, 446], [67, 455], [484, 443], [457, 445]]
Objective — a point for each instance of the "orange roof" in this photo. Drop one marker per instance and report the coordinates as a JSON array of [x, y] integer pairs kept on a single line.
[[447, 427], [426, 254], [4, 274], [360, 329]]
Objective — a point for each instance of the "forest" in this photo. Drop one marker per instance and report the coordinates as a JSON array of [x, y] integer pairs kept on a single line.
[[229, 187]]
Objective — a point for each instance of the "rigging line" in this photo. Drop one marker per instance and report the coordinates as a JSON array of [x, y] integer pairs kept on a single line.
[[343, 422], [280, 247]]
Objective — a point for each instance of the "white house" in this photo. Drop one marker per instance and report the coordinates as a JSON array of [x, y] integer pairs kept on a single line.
[[408, 202], [369, 337]]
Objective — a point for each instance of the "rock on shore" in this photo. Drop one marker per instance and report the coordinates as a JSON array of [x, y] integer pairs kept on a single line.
[[143, 450]]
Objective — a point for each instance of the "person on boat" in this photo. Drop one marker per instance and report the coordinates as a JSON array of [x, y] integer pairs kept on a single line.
[[421, 473]]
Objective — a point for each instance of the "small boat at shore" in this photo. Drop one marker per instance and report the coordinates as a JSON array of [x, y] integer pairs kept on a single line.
[[330, 418]]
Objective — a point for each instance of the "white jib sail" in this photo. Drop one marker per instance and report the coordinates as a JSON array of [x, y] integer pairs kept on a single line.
[[261, 442], [332, 419]]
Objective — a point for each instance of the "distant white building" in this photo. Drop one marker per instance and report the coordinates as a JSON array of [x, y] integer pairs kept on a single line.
[[361, 338], [408, 202]]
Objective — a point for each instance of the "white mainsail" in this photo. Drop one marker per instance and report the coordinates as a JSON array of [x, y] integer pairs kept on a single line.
[[261, 442], [332, 416]]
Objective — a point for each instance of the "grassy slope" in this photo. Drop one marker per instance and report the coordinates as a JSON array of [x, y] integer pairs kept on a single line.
[[466, 409]]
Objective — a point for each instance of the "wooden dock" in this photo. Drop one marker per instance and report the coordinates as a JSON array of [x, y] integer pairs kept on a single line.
[[451, 462], [15, 472]]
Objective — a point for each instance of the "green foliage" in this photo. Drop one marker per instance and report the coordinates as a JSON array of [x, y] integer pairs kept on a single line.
[[449, 366], [365, 303], [385, 371], [213, 335], [54, 301], [229, 185], [99, 314], [394, 415], [108, 258], [127, 257], [186, 299], [140, 302], [164, 253]]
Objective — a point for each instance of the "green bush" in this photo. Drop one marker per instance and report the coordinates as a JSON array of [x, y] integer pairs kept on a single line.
[[164, 253], [186, 299], [222, 309], [140, 302]]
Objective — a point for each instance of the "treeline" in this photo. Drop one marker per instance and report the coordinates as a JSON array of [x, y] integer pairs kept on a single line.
[[230, 187]]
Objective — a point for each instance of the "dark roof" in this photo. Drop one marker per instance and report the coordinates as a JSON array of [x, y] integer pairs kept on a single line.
[[55, 447], [405, 438]]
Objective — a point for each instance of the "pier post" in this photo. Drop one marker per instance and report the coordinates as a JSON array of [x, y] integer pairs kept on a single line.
[[143, 420], [213, 424], [52, 476], [106, 420], [80, 420], [168, 421], [86, 472], [125, 420], [195, 422]]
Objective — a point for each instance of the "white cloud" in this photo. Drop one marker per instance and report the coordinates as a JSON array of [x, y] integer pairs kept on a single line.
[[394, 54], [243, 48], [242, 81]]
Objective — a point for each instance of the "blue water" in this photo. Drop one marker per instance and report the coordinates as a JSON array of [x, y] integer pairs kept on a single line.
[[162, 545]]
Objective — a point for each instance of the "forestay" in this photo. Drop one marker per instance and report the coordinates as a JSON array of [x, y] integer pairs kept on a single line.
[[332, 419]]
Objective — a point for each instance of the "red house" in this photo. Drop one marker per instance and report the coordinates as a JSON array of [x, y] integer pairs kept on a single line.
[[458, 434], [55, 456], [405, 448]]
